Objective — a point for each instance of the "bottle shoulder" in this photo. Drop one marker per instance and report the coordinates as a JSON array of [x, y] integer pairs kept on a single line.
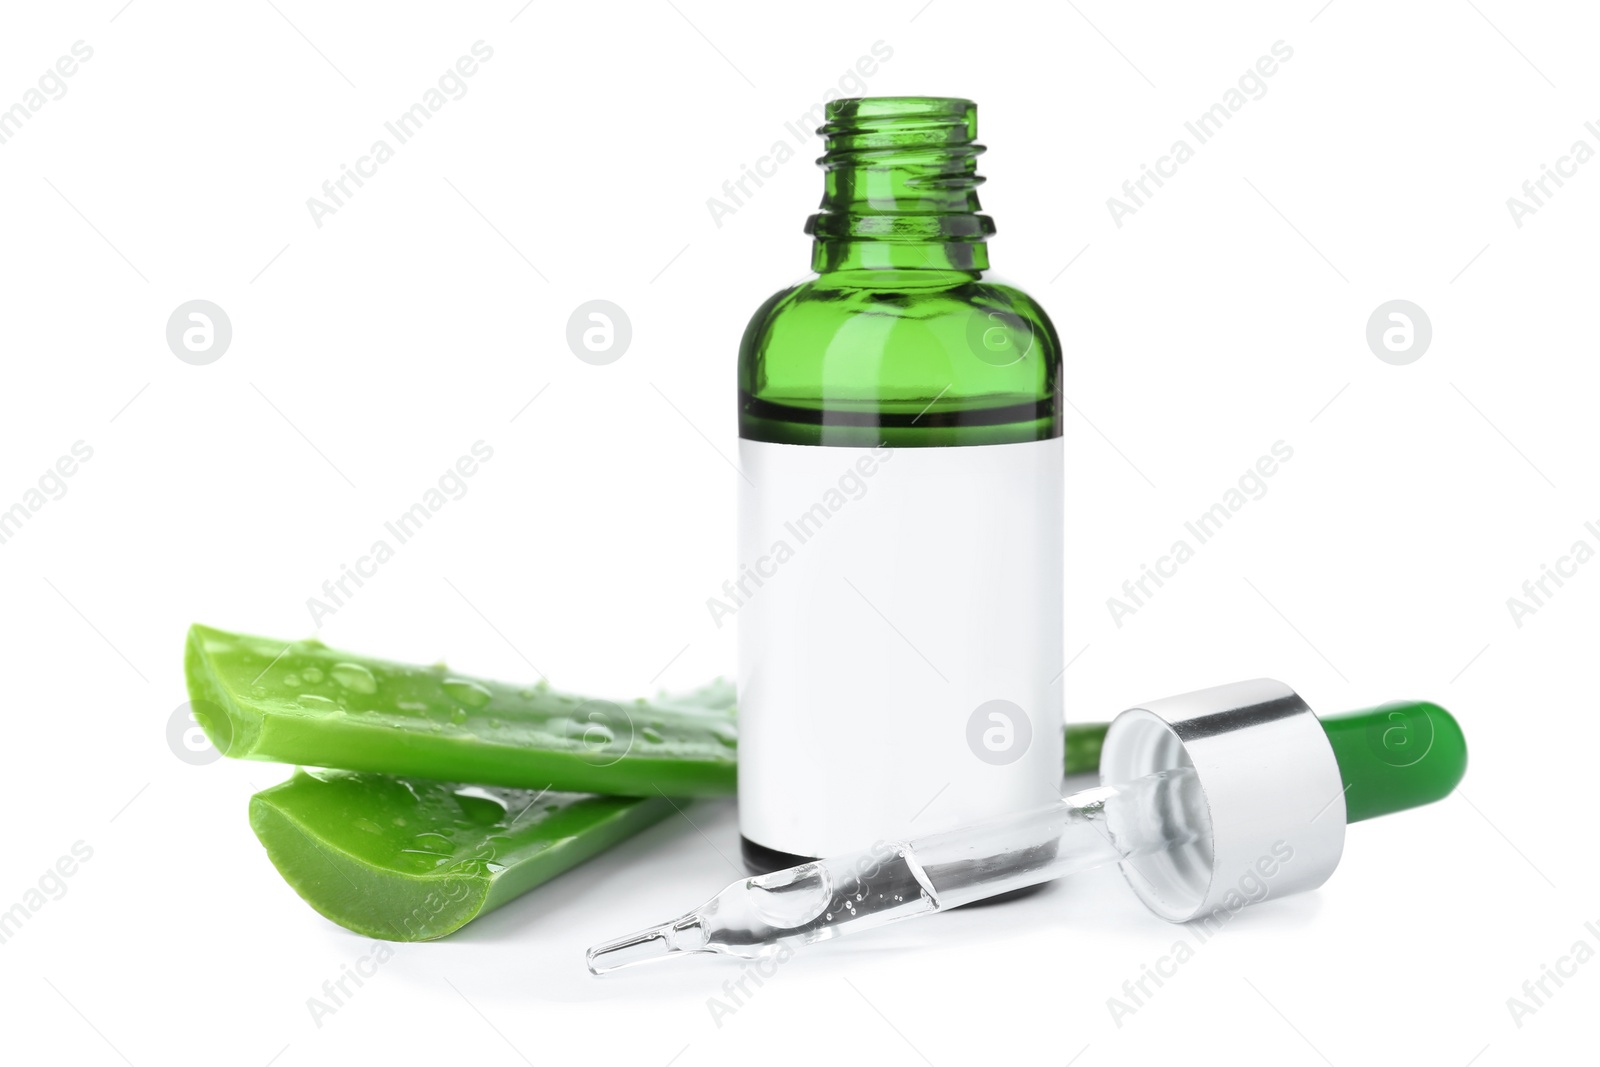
[[924, 347], [821, 302]]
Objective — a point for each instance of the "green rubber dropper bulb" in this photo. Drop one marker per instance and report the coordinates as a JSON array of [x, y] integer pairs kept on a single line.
[[1395, 756]]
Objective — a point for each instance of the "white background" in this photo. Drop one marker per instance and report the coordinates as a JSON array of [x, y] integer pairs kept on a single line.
[[1227, 314]]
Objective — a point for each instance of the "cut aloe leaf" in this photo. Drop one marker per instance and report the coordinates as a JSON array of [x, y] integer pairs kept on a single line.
[[302, 702], [407, 859]]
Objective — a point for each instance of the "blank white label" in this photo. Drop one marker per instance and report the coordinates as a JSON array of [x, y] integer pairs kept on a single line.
[[900, 639]]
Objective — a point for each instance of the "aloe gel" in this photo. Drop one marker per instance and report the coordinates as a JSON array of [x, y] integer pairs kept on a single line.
[[409, 859], [899, 599]]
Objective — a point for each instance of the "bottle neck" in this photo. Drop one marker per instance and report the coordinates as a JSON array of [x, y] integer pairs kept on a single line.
[[835, 255], [900, 188]]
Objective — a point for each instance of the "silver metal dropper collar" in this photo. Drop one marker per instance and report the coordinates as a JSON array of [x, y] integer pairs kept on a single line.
[[1273, 813]]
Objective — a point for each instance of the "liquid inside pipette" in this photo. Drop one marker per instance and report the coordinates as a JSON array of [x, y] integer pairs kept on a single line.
[[756, 917]]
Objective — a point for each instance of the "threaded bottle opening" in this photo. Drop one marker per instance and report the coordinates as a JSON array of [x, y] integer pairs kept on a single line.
[[879, 127], [901, 168]]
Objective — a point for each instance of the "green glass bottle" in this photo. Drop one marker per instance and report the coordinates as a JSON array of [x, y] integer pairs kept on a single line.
[[899, 593]]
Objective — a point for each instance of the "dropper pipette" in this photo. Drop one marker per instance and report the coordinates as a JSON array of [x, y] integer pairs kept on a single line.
[[826, 898], [1204, 797]]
